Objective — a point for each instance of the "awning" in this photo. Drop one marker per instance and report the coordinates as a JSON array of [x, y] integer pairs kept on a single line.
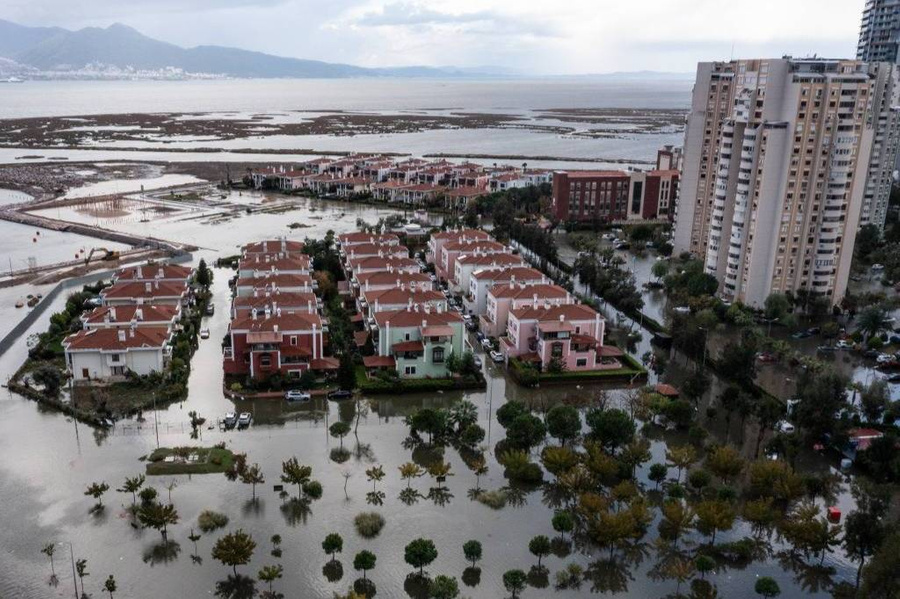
[[438, 331], [264, 337], [405, 346], [325, 364], [360, 337], [667, 390], [379, 362]]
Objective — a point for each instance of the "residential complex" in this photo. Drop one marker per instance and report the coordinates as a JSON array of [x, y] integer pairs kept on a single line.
[[410, 181], [778, 158], [879, 35], [132, 331]]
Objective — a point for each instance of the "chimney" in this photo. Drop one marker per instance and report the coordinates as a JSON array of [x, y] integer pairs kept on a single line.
[[255, 292], [148, 286], [157, 283], [562, 317], [122, 335], [275, 328], [424, 323], [112, 313], [140, 272], [139, 314], [131, 331], [253, 313]]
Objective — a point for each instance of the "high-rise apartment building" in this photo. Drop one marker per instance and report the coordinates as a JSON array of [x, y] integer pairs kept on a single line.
[[777, 160], [879, 35]]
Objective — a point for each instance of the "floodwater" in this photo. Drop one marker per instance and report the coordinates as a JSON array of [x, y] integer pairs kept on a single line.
[[11, 196], [49, 460], [118, 186]]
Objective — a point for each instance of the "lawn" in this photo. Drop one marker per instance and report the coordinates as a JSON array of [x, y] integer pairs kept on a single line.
[[209, 460]]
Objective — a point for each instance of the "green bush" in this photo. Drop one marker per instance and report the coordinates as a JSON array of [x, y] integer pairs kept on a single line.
[[368, 524], [209, 520]]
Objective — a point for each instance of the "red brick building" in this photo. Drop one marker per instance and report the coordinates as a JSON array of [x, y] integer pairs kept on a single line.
[[590, 195], [265, 344]]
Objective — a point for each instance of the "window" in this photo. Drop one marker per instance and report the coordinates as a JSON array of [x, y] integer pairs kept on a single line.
[[556, 350], [409, 370], [437, 356], [115, 358], [581, 362], [293, 339], [265, 360]]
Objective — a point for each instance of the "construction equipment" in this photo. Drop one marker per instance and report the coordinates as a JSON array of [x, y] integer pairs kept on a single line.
[[108, 255]]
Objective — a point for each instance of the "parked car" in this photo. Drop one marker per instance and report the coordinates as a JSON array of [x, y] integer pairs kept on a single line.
[[478, 362], [609, 236], [244, 420], [785, 427], [297, 396], [766, 358], [801, 335], [204, 333], [497, 357], [210, 309], [843, 344], [487, 344], [884, 358], [877, 267], [622, 245], [480, 336], [230, 420], [340, 394], [894, 378], [825, 348]]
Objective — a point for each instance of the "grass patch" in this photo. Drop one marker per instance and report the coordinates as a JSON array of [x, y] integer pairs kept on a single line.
[[525, 375], [189, 460], [368, 524], [377, 386], [209, 520], [496, 500]]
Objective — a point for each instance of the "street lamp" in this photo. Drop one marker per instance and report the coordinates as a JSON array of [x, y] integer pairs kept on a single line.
[[72, 558]]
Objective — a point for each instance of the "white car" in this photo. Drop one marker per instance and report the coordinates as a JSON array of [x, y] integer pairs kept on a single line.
[[230, 420], [496, 357], [297, 396], [204, 333], [244, 420], [843, 344], [877, 267], [884, 358], [486, 344], [478, 362], [785, 427]]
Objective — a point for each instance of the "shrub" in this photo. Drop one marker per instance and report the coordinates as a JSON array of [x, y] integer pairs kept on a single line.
[[368, 524], [209, 520], [493, 499]]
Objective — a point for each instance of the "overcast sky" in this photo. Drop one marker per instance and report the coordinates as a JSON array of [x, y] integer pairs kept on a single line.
[[539, 36]]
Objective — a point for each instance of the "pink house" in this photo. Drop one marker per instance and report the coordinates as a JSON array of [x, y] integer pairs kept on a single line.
[[445, 267], [503, 298], [361, 237], [375, 281], [364, 264], [572, 334], [383, 250], [438, 240], [469, 263]]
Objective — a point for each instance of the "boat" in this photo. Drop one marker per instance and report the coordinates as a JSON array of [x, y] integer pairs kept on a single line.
[[12, 80], [20, 304], [33, 302]]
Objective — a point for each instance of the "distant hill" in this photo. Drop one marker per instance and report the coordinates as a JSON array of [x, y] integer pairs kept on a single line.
[[56, 49]]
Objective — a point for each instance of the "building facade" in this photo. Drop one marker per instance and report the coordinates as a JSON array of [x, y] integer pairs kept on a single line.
[[879, 34], [777, 157]]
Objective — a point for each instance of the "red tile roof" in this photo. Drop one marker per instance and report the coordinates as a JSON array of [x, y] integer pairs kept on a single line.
[[666, 389], [491, 259], [298, 321], [118, 339], [363, 237], [282, 299], [392, 278], [519, 291], [462, 234], [397, 295], [268, 246], [278, 280], [379, 362], [325, 364], [125, 314], [483, 245], [136, 289], [521, 273], [260, 263], [149, 272], [567, 311], [374, 249], [408, 346], [594, 174], [413, 318], [381, 262]]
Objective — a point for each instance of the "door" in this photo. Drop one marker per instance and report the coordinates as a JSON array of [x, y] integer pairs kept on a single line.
[[85, 374]]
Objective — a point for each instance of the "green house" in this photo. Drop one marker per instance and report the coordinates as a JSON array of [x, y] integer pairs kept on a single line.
[[420, 340]]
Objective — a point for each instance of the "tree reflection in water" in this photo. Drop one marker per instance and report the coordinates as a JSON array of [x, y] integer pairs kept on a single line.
[[236, 587], [471, 576], [296, 511], [333, 571], [417, 586], [539, 577], [375, 497], [608, 576], [363, 453], [340, 455], [410, 496], [441, 496], [162, 553], [364, 587], [516, 496], [253, 507], [560, 547], [813, 578]]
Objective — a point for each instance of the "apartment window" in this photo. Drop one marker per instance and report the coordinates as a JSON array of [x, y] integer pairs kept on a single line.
[[265, 360], [556, 350], [581, 362], [115, 358], [409, 370], [293, 340], [437, 356]]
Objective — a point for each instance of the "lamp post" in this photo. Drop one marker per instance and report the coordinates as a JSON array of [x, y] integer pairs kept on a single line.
[[72, 558]]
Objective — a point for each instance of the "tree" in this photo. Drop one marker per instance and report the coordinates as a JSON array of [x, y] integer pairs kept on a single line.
[[346, 374], [678, 517], [777, 306], [81, 570], [440, 470], [767, 587], [234, 549], [660, 269], [658, 473], [713, 516], [739, 361], [509, 412], [158, 516], [563, 522], [681, 457], [253, 475], [339, 430], [526, 431], [725, 462], [364, 560], [879, 577], [375, 474], [431, 421], [132, 485], [204, 276], [871, 321], [768, 412], [110, 585], [863, 534], [635, 453], [472, 551], [409, 471], [874, 399], [295, 474], [49, 377], [563, 423], [419, 553], [443, 587], [539, 547], [49, 549], [333, 544], [612, 428], [269, 574], [96, 490], [514, 582]]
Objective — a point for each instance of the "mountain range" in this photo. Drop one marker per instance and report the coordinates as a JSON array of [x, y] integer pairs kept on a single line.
[[60, 50], [54, 52]]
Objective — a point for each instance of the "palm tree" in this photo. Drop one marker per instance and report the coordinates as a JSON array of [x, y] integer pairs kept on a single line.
[[81, 570], [110, 586], [409, 471], [48, 550], [375, 474], [96, 490], [171, 486], [871, 321], [158, 516], [133, 485], [253, 475]]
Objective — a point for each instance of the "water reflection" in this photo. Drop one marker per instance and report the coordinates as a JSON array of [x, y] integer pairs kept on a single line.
[[162, 553], [236, 586]]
